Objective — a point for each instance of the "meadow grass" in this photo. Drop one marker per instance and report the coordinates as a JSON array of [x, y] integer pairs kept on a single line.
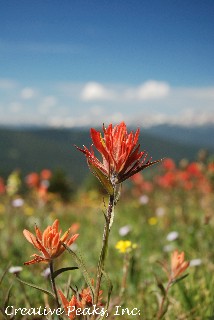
[[149, 221]]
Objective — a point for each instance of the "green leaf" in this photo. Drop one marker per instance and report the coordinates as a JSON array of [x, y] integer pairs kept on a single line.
[[4, 273], [59, 271], [102, 178], [160, 286], [82, 268], [36, 287], [6, 301], [179, 279]]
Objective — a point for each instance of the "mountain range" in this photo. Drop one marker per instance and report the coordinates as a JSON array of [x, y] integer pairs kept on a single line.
[[33, 149]]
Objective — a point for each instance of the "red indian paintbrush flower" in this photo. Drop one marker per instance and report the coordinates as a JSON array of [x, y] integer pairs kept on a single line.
[[121, 157], [49, 242]]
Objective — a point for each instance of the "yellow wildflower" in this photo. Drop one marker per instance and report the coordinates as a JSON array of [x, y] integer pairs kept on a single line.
[[28, 211], [152, 221], [124, 246]]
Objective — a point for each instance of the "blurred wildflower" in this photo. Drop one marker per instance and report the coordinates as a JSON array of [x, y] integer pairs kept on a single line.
[[15, 270], [2, 186], [178, 264], [124, 246], [13, 183], [18, 202], [141, 185], [46, 273], [28, 211], [32, 180], [160, 212], [144, 199], [172, 236], [167, 180], [177, 267], [48, 242], [194, 169], [152, 221], [40, 183], [210, 167], [120, 154], [123, 231], [168, 164], [45, 174], [75, 227], [195, 262]]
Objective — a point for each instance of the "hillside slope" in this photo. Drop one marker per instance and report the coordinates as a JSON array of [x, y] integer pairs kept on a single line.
[[35, 149]]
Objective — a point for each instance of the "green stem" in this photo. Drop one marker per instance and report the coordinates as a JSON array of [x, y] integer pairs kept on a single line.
[[160, 311], [104, 249], [53, 284]]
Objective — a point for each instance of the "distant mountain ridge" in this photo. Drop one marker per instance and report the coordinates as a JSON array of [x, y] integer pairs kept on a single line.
[[38, 148], [202, 136]]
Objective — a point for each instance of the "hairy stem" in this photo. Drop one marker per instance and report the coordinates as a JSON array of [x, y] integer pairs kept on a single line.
[[101, 263], [161, 311], [53, 284]]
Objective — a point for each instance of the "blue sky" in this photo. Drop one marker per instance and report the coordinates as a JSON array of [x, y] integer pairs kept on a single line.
[[75, 62]]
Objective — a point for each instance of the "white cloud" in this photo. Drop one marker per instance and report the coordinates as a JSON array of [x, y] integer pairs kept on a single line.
[[28, 93], [86, 120], [78, 104], [96, 91], [148, 91], [153, 90]]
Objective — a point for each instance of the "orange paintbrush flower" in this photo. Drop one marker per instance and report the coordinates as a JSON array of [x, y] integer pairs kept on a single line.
[[69, 306], [178, 264], [83, 301], [86, 297], [49, 242], [121, 157]]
